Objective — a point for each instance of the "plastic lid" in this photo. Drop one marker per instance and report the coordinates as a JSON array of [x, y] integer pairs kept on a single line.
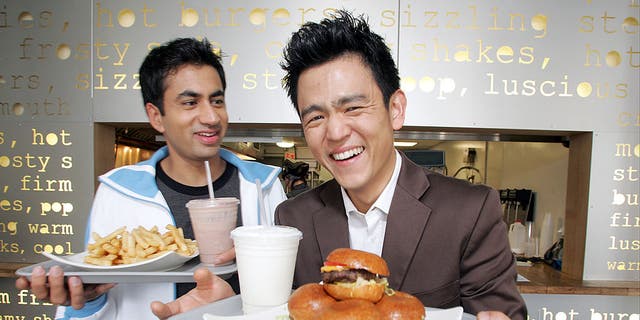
[[206, 202]]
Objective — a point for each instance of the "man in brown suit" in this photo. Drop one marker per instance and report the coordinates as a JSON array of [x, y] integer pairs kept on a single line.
[[443, 238]]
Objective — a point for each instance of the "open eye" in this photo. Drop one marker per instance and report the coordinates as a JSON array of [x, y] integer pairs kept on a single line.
[[190, 103], [217, 101]]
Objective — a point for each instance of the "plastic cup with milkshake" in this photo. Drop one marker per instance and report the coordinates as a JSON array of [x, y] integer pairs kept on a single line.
[[212, 220], [266, 259]]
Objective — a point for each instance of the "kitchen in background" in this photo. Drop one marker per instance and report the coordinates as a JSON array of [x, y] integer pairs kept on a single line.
[[529, 171]]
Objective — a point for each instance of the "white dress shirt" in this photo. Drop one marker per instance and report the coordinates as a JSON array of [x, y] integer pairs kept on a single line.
[[366, 230]]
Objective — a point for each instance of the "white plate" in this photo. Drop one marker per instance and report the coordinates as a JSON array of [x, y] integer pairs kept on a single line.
[[447, 314], [167, 261], [231, 309], [281, 312]]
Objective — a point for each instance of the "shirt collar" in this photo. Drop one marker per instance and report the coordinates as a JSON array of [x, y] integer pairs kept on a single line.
[[383, 203]]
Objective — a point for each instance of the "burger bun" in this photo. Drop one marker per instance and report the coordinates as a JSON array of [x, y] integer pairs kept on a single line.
[[307, 301], [400, 305], [368, 291], [357, 259], [352, 309]]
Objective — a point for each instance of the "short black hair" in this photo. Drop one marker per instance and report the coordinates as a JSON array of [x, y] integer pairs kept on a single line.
[[294, 170], [166, 59], [331, 38]]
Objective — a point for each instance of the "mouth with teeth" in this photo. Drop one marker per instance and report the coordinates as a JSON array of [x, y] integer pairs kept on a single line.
[[345, 155], [208, 137]]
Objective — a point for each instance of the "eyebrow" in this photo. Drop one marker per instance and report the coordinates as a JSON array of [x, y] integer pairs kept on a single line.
[[193, 94], [347, 99], [310, 109]]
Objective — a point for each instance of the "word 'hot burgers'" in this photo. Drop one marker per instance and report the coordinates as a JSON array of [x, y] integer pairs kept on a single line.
[[349, 274]]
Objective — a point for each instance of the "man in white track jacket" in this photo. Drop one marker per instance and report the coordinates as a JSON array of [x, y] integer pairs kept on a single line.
[[183, 87], [129, 196]]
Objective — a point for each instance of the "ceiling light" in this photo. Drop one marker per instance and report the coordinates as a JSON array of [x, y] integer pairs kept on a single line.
[[404, 143], [285, 144]]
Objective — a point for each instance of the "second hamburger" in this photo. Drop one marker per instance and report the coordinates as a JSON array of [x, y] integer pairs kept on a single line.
[[349, 273]]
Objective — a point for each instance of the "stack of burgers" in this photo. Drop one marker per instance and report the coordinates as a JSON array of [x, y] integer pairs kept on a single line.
[[354, 286]]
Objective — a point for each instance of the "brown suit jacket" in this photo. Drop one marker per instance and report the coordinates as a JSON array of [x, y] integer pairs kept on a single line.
[[445, 240]]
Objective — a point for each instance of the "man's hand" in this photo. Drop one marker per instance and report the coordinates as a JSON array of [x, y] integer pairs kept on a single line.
[[54, 289], [225, 257], [491, 315], [209, 288]]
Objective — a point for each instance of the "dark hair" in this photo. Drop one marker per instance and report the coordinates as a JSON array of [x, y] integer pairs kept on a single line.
[[331, 38], [166, 59], [294, 170]]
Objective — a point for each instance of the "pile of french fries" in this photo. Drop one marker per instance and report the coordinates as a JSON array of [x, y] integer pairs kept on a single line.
[[124, 247]]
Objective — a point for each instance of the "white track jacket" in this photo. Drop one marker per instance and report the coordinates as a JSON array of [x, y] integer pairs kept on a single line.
[[128, 196]]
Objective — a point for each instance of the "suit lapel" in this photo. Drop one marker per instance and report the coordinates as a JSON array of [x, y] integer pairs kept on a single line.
[[331, 222], [406, 223]]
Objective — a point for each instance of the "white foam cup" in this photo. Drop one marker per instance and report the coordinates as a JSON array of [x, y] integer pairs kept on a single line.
[[266, 259]]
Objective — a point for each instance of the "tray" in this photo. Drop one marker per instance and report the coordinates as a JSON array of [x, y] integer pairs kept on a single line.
[[183, 273], [231, 309]]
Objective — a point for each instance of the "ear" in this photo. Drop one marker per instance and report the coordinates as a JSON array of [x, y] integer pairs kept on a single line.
[[155, 118], [397, 108]]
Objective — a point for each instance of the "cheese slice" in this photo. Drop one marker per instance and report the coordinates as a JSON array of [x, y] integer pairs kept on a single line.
[[332, 268]]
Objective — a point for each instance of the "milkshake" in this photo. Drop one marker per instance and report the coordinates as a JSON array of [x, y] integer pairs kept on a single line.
[[212, 221]]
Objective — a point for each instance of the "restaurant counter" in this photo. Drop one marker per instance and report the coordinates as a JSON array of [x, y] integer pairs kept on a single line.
[[543, 279]]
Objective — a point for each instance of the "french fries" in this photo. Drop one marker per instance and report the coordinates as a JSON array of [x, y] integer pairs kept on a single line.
[[124, 247]]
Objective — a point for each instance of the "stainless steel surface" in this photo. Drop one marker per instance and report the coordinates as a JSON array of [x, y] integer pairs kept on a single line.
[[183, 273]]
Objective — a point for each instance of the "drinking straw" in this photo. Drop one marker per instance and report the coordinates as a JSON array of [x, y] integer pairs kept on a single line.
[[209, 181], [261, 207]]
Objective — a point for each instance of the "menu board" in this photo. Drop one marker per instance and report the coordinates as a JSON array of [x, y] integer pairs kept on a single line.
[[46, 193], [46, 139], [250, 36], [578, 307], [46, 133], [45, 45], [614, 218], [538, 65], [22, 304]]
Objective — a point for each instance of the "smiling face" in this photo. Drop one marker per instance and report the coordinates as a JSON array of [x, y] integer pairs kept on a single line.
[[195, 116], [347, 126]]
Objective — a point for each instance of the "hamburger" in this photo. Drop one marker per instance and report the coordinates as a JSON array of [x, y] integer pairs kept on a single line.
[[307, 301], [399, 305], [351, 309], [354, 274]]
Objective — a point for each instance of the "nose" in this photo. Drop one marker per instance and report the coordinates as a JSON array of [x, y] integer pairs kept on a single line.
[[207, 114], [337, 128]]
